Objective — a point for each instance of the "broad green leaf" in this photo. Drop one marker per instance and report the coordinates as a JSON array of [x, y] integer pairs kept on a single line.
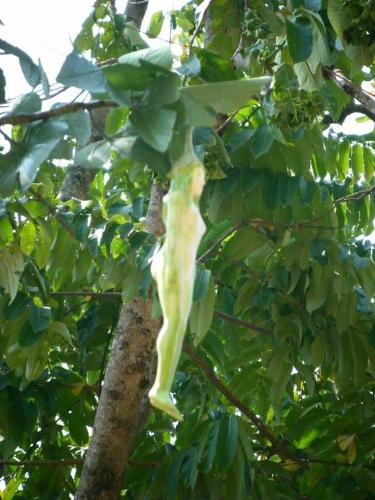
[[39, 318], [155, 126], [79, 126], [227, 442], [156, 23], [300, 38], [343, 159], [201, 314], [369, 163], [210, 451], [261, 141], [81, 73], [28, 103], [163, 90], [190, 67], [59, 329], [6, 230], [27, 237], [196, 114], [77, 429], [337, 17], [151, 57], [28, 337], [357, 162], [202, 280], [136, 70], [11, 267], [226, 97], [279, 372], [30, 70], [318, 289]]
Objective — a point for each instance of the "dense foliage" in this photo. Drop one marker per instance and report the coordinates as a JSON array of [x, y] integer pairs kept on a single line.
[[284, 295]]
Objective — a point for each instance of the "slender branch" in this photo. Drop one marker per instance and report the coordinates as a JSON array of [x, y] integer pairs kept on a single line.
[[240, 322], [54, 213], [219, 240], [83, 293], [72, 461], [202, 15], [61, 110], [263, 429], [117, 295], [350, 88]]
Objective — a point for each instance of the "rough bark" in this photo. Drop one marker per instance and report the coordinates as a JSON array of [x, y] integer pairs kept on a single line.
[[127, 379], [365, 98], [123, 406]]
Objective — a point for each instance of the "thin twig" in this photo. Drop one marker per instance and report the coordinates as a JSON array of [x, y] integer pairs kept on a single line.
[[240, 322], [54, 213], [68, 461], [61, 110], [199, 25], [219, 240]]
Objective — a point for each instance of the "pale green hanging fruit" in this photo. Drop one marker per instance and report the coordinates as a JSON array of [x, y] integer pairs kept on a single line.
[[173, 268]]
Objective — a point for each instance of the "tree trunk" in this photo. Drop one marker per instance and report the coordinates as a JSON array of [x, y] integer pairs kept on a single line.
[[123, 405], [127, 379]]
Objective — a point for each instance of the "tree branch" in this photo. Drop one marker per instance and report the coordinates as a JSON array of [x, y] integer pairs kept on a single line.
[[68, 461], [72, 107], [244, 324], [350, 88], [264, 430]]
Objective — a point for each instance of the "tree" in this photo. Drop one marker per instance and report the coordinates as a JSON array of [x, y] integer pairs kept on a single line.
[[276, 378]]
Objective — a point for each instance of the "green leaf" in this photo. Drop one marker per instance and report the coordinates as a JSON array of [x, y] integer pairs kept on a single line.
[[202, 279], [318, 289], [155, 126], [79, 126], [190, 67], [11, 267], [279, 372], [156, 23], [81, 73], [300, 38], [27, 338], [357, 162], [261, 141], [210, 451], [77, 429], [201, 314], [28, 103], [137, 70], [196, 114], [228, 441], [337, 17], [6, 230], [30, 70], [27, 237], [39, 318], [163, 90], [59, 329], [226, 97], [42, 139]]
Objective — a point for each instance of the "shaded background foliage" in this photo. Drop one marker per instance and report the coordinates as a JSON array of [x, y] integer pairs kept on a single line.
[[284, 295]]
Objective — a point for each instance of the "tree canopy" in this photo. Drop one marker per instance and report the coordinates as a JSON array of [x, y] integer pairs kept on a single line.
[[276, 379]]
